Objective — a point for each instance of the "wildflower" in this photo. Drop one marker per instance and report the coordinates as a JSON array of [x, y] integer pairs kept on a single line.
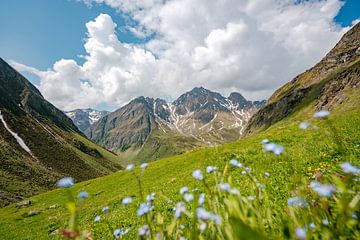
[[97, 219], [225, 187], [143, 166], [298, 202], [243, 172], [188, 197], [170, 202], [321, 114], [216, 219], [183, 190], [267, 174], [300, 233], [304, 125], [354, 216], [198, 175], [235, 163], [120, 232], [350, 168], [210, 169], [251, 198], [144, 208], [144, 231], [323, 190], [248, 169], [274, 148], [126, 201], [261, 185], [202, 226], [180, 207], [150, 197], [105, 209], [202, 214], [265, 141], [234, 191], [130, 167], [65, 182], [325, 222], [312, 225], [83, 195], [201, 200]]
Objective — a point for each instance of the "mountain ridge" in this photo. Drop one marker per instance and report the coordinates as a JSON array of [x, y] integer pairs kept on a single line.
[[201, 116]]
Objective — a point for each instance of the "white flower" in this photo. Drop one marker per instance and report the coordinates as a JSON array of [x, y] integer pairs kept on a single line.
[[300, 233], [144, 231], [150, 197], [210, 169], [304, 125], [274, 148], [97, 219], [234, 191], [201, 200], [130, 167], [183, 190], [105, 209], [267, 174], [65, 182], [198, 175], [321, 114], [144, 208], [243, 172], [188, 197], [298, 202], [248, 169], [126, 201], [323, 190], [180, 207], [265, 141], [312, 225], [350, 168], [143, 166], [170, 202], [202, 214]]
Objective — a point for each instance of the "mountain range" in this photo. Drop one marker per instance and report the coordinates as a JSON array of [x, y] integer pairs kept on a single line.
[[146, 129], [83, 118]]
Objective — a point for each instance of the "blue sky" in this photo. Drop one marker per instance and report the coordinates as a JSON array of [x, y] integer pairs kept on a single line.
[[40, 32]]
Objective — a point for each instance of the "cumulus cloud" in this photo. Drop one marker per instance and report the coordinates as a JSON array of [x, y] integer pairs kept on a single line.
[[250, 46]]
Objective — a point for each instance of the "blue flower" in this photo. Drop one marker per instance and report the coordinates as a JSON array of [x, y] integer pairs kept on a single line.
[[321, 114], [274, 148], [120, 232], [198, 175], [97, 219], [65, 182], [105, 209], [188, 197], [304, 125], [300, 233], [143, 166], [235, 163], [180, 207], [183, 190], [210, 169], [150, 197], [126, 201], [130, 167], [312, 225], [298, 202], [267, 174], [325, 222], [144, 231], [323, 190], [83, 195], [350, 168], [201, 200], [144, 208]]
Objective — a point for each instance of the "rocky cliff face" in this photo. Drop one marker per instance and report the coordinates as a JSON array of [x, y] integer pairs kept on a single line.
[[325, 84], [199, 116], [39, 143], [83, 118]]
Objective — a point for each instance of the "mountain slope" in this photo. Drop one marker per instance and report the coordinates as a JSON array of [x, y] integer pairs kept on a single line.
[[148, 128], [327, 82], [39, 143], [83, 118]]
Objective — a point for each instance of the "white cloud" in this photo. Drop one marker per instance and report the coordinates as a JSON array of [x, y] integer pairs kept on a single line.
[[251, 46]]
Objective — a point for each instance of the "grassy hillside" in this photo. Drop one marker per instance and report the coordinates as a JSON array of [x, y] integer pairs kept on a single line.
[[306, 153]]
